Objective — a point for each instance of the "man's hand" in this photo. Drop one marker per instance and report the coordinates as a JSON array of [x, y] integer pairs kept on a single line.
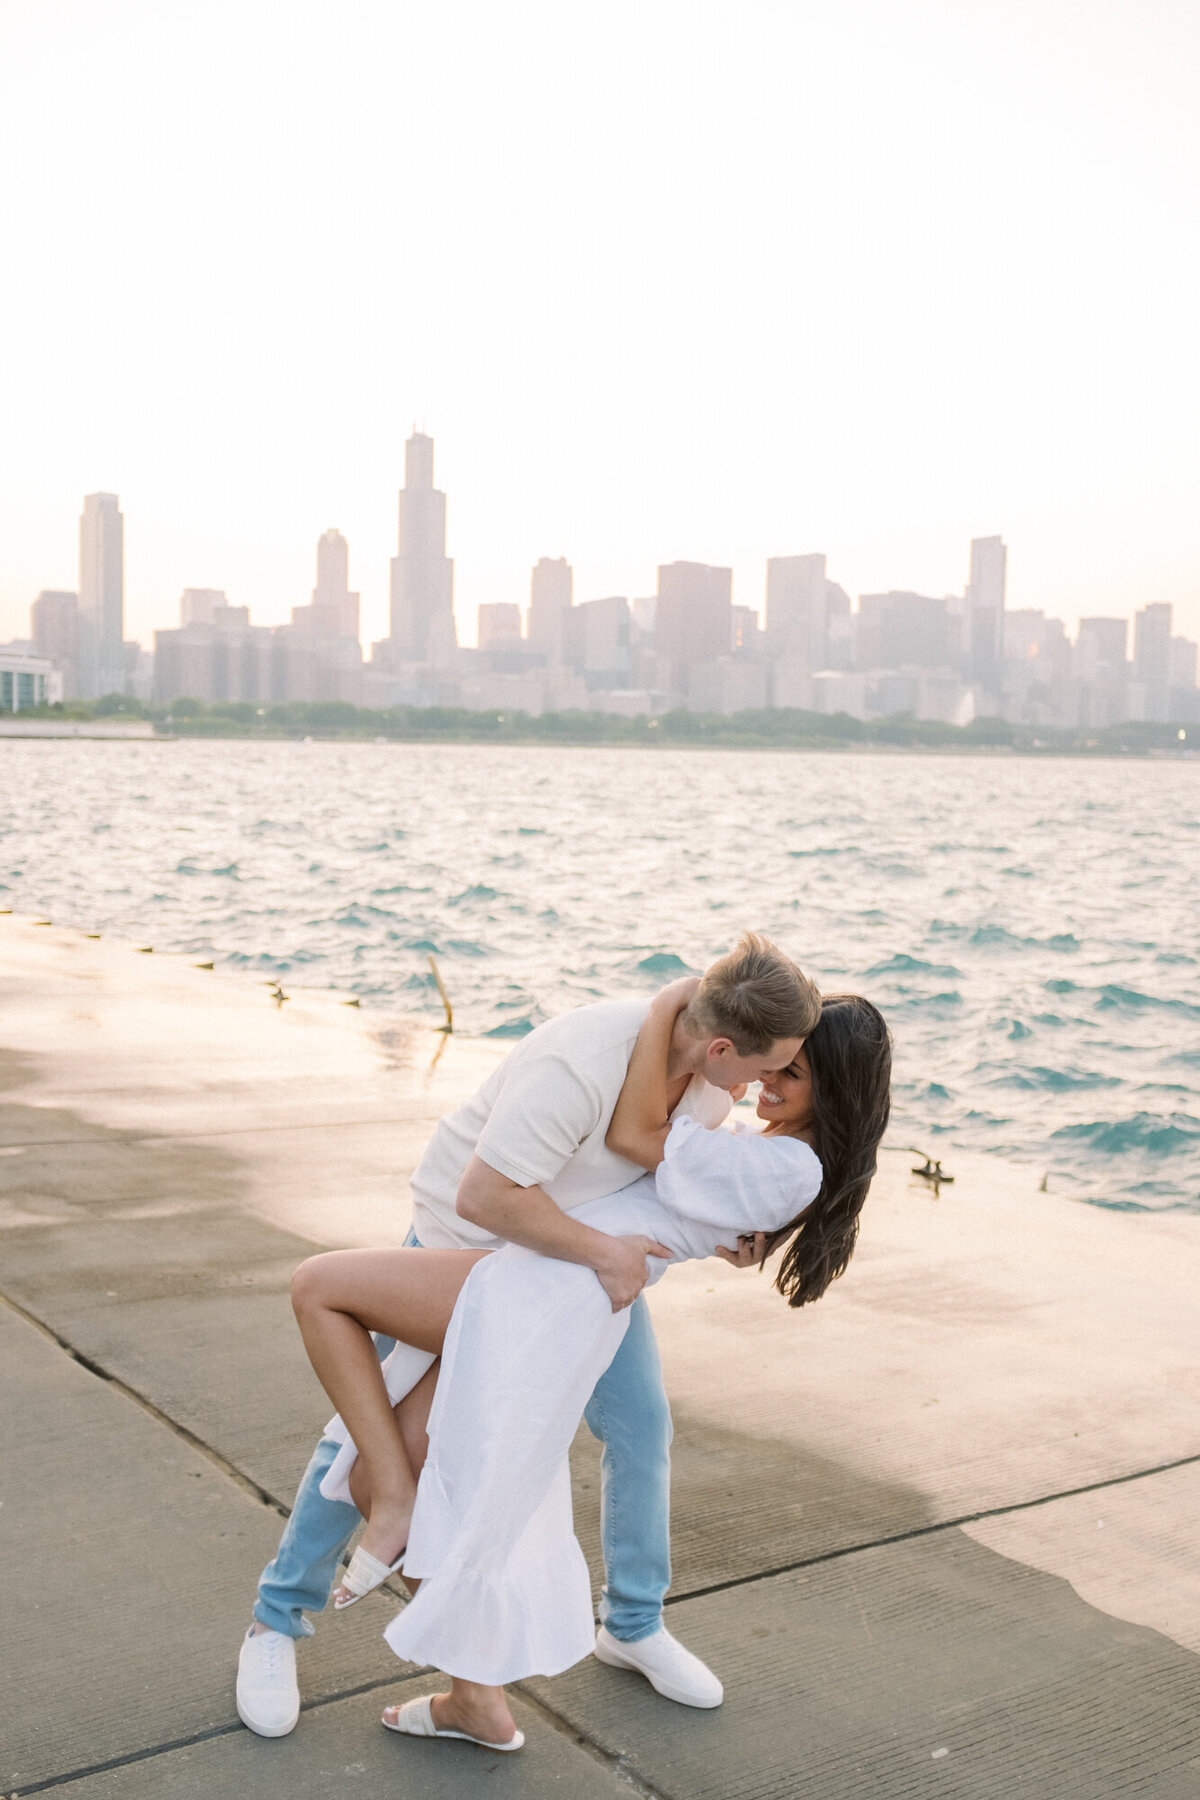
[[748, 1254], [623, 1273]]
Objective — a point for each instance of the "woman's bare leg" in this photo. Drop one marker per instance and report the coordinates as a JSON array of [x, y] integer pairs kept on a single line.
[[339, 1299], [412, 1416]]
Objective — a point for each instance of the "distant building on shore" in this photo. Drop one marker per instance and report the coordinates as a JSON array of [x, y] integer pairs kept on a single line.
[[54, 629], [215, 654], [797, 618], [498, 626], [983, 619], [1152, 660], [421, 625], [27, 680], [101, 667], [693, 617], [550, 599], [334, 611]]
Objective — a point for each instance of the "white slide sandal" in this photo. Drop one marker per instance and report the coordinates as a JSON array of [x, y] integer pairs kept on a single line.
[[415, 1719], [363, 1576]]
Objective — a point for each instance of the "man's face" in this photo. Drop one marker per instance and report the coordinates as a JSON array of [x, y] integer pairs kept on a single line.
[[726, 1069]]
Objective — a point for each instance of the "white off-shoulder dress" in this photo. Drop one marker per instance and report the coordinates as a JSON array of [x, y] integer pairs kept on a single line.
[[505, 1591]]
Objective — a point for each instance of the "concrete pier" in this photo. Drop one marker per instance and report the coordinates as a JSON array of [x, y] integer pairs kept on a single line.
[[936, 1534]]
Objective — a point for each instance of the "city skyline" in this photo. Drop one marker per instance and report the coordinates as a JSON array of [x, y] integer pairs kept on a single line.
[[427, 570], [874, 278], [948, 658]]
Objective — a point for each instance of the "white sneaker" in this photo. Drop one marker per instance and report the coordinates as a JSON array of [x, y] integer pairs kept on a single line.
[[670, 1669], [268, 1698]]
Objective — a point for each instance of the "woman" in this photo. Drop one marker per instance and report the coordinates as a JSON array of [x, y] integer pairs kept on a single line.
[[503, 1590]]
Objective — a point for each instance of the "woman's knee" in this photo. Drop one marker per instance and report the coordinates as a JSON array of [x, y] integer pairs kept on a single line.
[[310, 1284]]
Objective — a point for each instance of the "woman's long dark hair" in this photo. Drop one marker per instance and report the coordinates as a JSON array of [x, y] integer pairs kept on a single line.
[[850, 1056]]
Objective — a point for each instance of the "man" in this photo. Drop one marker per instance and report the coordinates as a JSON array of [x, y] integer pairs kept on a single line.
[[511, 1164]]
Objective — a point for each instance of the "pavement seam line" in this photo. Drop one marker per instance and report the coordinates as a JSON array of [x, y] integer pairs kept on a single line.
[[234, 1474], [718, 1587], [923, 1531], [125, 1762], [615, 1763], [197, 1737]]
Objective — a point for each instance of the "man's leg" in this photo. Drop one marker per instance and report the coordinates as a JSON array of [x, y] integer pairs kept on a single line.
[[629, 1414], [297, 1580]]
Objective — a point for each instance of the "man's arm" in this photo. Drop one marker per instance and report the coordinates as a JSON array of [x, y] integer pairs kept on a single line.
[[528, 1216]]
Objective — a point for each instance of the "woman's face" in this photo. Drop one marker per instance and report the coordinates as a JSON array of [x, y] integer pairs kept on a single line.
[[786, 1099]]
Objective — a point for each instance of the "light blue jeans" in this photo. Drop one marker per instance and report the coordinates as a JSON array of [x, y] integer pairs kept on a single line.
[[629, 1414]]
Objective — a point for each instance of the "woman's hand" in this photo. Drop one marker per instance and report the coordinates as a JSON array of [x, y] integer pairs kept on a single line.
[[748, 1254], [676, 995], [623, 1272]]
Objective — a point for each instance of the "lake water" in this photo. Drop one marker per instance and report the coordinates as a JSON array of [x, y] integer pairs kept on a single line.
[[1031, 929]]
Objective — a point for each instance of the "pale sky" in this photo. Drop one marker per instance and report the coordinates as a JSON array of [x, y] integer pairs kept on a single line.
[[663, 279]]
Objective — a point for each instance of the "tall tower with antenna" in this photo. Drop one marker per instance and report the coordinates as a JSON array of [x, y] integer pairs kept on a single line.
[[421, 624]]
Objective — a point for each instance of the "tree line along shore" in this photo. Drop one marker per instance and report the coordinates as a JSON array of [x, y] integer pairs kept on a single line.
[[768, 729]]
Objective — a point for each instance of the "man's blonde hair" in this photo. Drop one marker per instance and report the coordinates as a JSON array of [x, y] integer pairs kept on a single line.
[[754, 996]]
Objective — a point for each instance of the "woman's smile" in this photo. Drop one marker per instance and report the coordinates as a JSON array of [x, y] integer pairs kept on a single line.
[[785, 1098]]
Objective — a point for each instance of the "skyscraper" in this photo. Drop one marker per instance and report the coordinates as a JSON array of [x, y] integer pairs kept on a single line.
[[1101, 641], [54, 628], [693, 616], [334, 610], [983, 646], [550, 594], [199, 606], [421, 627], [333, 564], [101, 597], [499, 626], [1152, 658], [596, 641], [899, 630], [747, 632], [1102, 671], [798, 608]]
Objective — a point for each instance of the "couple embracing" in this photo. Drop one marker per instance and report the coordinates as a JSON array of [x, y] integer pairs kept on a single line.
[[591, 1158]]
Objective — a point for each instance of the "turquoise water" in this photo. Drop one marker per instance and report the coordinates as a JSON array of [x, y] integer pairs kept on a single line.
[[1030, 928]]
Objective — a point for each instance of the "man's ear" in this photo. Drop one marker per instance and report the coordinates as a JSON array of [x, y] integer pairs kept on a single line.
[[719, 1048]]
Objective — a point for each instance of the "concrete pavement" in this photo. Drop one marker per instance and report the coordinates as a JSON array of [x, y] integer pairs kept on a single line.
[[936, 1534]]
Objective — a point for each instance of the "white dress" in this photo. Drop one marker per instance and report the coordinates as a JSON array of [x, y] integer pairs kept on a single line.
[[505, 1591]]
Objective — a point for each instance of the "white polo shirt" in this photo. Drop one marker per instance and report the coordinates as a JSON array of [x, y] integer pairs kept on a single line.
[[541, 1118]]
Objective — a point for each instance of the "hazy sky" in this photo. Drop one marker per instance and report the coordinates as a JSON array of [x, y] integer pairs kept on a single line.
[[664, 279]]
